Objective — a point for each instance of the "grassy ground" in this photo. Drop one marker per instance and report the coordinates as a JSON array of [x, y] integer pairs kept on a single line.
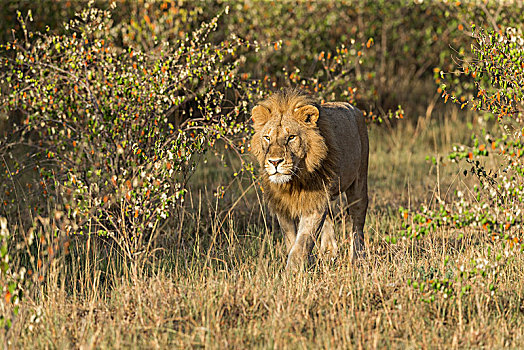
[[219, 280]]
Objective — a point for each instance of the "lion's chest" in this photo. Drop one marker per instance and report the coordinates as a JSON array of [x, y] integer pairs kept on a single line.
[[296, 202]]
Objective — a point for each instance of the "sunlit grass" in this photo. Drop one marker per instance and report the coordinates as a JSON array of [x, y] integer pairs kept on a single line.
[[220, 281]]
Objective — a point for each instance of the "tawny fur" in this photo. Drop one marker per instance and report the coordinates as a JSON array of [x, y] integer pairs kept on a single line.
[[322, 150], [306, 192]]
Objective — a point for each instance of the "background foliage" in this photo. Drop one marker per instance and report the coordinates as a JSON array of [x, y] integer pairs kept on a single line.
[[123, 133]]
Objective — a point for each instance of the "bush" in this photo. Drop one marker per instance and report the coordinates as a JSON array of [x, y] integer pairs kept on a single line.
[[395, 45], [398, 44], [113, 132], [493, 203]]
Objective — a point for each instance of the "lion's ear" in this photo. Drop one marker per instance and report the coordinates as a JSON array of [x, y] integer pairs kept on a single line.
[[260, 115], [307, 114]]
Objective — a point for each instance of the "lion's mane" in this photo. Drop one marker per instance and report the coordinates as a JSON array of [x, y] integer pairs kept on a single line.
[[306, 192]]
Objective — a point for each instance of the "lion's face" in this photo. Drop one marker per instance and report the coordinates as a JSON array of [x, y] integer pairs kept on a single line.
[[287, 141], [283, 145]]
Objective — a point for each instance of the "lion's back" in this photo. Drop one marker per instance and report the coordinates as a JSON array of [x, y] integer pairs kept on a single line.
[[344, 128]]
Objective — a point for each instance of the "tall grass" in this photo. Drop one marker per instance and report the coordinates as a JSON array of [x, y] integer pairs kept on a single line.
[[217, 278]]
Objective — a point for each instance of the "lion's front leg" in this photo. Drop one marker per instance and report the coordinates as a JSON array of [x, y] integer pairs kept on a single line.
[[289, 230], [308, 228], [328, 243]]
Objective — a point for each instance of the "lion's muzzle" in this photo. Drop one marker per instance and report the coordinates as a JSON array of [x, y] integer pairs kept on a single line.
[[277, 171], [275, 162]]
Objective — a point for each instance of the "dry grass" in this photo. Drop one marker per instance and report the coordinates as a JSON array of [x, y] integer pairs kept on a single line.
[[223, 284]]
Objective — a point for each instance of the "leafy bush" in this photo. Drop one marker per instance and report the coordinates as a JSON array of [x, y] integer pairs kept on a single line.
[[102, 138], [395, 45], [398, 44], [114, 132], [493, 204]]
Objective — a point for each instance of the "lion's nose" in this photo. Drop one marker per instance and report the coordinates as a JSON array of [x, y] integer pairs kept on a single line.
[[275, 162]]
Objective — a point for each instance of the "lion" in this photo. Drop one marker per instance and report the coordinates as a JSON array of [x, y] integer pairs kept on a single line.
[[309, 153]]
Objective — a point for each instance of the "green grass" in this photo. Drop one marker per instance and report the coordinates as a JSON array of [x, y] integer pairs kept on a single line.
[[218, 279]]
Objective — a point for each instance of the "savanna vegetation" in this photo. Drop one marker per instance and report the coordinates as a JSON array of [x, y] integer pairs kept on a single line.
[[131, 214]]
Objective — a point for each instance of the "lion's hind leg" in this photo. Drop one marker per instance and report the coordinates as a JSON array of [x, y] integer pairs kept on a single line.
[[358, 205]]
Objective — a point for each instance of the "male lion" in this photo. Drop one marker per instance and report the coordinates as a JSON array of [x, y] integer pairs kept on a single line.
[[309, 154]]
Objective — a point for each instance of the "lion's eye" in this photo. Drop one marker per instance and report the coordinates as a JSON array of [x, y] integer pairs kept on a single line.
[[267, 138], [291, 137]]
